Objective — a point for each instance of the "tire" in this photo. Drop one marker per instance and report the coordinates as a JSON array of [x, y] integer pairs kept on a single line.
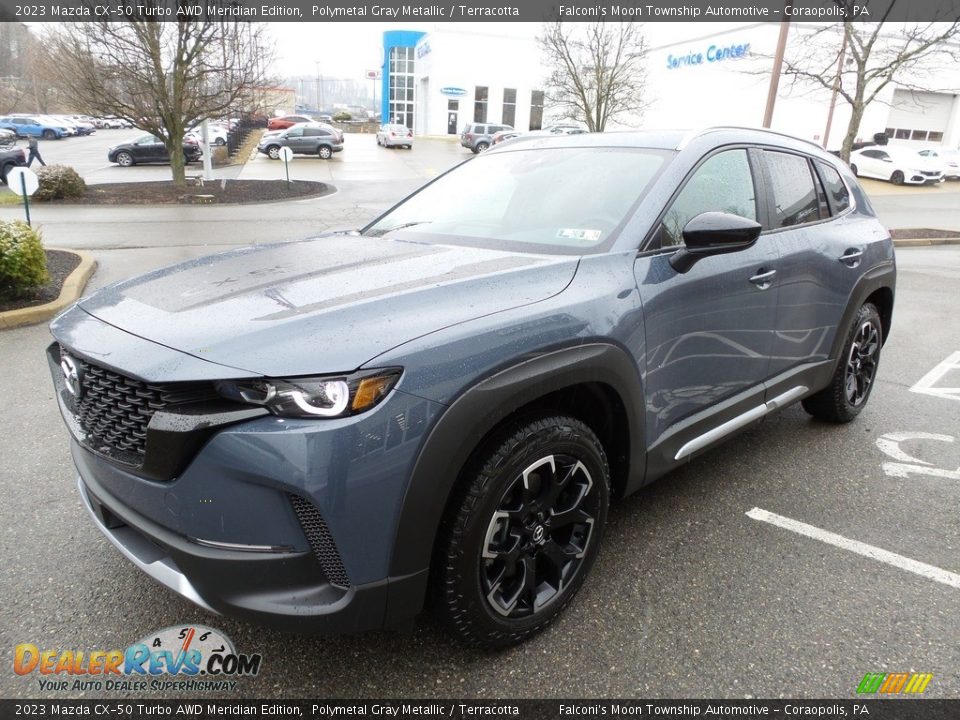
[[853, 169], [124, 159], [3, 172], [897, 178], [849, 389], [48, 134], [220, 141], [481, 146], [273, 152], [535, 471], [325, 152]]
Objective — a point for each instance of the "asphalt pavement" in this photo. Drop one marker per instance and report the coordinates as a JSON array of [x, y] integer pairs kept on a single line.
[[690, 597]]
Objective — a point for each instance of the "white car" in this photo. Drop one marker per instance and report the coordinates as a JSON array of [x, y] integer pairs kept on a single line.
[[392, 135], [216, 133], [899, 165], [949, 158]]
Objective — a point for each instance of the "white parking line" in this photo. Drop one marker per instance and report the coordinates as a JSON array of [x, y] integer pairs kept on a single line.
[[927, 384], [885, 556]]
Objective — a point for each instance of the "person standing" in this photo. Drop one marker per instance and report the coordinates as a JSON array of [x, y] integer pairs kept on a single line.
[[34, 151]]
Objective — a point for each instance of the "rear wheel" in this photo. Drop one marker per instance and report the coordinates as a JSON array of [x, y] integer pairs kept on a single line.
[[4, 170], [49, 134], [273, 152], [124, 159], [853, 169], [481, 146], [856, 373], [325, 152], [521, 536], [897, 178]]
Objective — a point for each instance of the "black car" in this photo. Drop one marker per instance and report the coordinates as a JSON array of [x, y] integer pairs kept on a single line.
[[149, 149], [11, 158]]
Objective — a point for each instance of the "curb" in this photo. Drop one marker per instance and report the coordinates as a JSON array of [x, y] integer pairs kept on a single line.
[[920, 242], [72, 288]]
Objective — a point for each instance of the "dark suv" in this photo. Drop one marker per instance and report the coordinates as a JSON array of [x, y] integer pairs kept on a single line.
[[323, 434], [479, 136]]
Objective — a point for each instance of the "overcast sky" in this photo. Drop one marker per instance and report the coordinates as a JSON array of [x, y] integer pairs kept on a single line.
[[349, 49]]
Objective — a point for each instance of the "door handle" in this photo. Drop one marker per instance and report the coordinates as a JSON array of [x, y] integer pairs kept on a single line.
[[851, 258], [763, 279]]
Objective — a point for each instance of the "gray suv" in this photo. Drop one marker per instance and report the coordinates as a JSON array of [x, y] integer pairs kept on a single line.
[[304, 139], [326, 434], [479, 136]]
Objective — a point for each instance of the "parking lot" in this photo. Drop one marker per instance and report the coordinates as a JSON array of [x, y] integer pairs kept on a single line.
[[789, 562]]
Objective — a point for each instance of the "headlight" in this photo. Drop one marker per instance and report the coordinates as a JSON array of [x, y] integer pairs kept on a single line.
[[314, 396]]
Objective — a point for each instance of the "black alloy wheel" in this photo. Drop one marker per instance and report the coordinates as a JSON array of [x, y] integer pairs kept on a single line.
[[856, 373], [521, 531]]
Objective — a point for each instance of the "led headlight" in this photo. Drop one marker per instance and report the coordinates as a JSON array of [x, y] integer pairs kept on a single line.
[[314, 396]]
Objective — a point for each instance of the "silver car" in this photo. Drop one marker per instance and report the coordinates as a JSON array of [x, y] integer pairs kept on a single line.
[[394, 135]]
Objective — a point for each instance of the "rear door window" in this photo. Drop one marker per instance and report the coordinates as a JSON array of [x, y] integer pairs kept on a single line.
[[792, 193]]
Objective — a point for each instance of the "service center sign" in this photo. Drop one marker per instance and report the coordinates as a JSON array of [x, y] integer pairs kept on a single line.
[[713, 54]]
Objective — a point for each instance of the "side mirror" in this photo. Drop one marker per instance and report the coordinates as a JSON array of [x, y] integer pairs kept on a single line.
[[714, 233]]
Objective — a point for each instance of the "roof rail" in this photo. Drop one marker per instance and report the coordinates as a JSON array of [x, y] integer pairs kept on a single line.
[[717, 128]]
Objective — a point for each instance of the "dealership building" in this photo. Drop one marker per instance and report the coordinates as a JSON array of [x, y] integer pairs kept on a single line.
[[698, 74]]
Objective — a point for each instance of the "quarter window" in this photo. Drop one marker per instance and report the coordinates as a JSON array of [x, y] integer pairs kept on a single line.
[[792, 192], [836, 189], [722, 184]]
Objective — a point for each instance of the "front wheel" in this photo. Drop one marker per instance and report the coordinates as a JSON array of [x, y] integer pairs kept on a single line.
[[124, 159], [853, 169], [220, 141], [897, 178], [846, 395], [325, 152], [49, 134], [273, 152], [521, 536]]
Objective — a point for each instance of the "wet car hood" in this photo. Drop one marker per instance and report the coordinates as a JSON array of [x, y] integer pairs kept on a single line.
[[326, 305]]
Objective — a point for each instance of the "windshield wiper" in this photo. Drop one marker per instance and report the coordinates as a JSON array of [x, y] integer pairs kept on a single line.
[[381, 233]]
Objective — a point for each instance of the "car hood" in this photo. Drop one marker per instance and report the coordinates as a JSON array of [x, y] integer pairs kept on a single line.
[[326, 305]]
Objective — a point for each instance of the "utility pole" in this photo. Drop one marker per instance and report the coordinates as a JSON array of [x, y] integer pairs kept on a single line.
[[836, 87], [321, 102], [777, 66]]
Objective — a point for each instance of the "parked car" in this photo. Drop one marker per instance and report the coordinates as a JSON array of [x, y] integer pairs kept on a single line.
[[217, 134], [445, 403], [899, 165], [115, 123], [949, 158], [282, 123], [81, 127], [304, 139], [8, 138], [499, 137], [11, 157], [395, 135], [34, 125], [150, 149], [479, 136], [564, 129]]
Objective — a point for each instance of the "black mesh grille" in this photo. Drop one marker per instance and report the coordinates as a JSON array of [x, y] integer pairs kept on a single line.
[[113, 410], [321, 541]]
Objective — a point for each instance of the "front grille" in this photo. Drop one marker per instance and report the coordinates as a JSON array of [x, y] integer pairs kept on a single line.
[[929, 173], [321, 541], [113, 410]]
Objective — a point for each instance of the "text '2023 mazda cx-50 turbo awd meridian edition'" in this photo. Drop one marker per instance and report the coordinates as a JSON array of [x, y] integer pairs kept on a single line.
[[328, 434]]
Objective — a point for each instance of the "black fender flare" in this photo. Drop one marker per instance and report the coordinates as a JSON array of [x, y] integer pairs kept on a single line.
[[475, 413], [878, 277]]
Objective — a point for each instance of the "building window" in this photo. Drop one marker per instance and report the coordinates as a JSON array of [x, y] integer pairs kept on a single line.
[[509, 106], [480, 97], [401, 96], [918, 135], [935, 136], [903, 134], [536, 109]]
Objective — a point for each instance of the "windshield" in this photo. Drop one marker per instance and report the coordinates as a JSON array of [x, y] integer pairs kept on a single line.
[[567, 200]]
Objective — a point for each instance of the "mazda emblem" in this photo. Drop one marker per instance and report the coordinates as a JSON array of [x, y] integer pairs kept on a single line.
[[71, 376]]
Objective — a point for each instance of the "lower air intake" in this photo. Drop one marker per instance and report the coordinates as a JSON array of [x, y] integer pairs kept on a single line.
[[321, 541]]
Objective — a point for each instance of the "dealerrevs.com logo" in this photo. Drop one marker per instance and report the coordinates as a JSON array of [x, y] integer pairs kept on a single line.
[[185, 657]]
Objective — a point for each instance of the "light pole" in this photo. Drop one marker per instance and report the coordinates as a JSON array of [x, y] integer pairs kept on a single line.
[[321, 102], [777, 65]]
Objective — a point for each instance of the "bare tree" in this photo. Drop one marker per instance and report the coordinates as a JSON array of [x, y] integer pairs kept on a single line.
[[597, 70], [864, 58], [163, 77]]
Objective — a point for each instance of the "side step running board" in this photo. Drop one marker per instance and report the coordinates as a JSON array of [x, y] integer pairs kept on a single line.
[[734, 424]]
